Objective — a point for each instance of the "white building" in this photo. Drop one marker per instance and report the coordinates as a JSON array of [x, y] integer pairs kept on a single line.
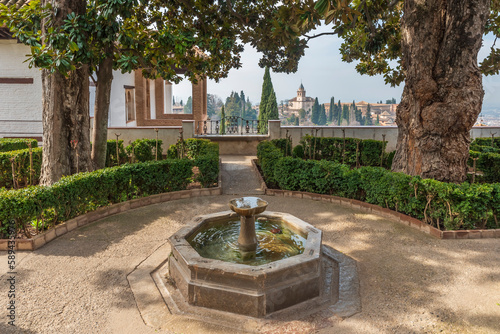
[[135, 101], [301, 101]]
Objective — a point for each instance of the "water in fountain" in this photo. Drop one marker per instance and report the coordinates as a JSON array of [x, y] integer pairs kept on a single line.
[[220, 241]]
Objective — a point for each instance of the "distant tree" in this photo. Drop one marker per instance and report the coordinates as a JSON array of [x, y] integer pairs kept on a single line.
[[377, 121], [272, 107], [358, 115], [214, 103], [233, 105], [297, 121], [173, 100], [345, 113], [266, 100], [322, 115], [340, 113], [188, 108], [182, 103], [222, 121], [368, 116], [316, 109], [302, 113], [331, 112], [243, 104]]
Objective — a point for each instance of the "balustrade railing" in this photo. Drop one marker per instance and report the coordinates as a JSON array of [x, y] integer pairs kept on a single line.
[[229, 125]]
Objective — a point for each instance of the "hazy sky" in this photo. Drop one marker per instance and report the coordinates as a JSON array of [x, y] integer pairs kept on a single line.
[[323, 74]]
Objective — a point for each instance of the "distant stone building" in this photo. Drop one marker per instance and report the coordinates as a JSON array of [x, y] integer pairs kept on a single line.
[[301, 101]]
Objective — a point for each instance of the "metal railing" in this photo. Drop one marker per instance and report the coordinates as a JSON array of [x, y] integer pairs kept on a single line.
[[229, 125]]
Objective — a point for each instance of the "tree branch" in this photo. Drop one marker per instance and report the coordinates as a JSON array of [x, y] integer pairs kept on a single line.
[[322, 34], [230, 7], [393, 3]]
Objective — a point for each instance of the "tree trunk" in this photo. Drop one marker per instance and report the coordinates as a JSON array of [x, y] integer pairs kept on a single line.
[[101, 112], [65, 117], [443, 91]]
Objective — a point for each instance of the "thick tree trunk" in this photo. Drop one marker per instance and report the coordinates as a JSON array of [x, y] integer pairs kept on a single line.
[[443, 92], [101, 112], [65, 105]]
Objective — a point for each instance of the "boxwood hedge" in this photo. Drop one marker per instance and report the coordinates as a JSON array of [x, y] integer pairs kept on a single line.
[[14, 144], [444, 205]]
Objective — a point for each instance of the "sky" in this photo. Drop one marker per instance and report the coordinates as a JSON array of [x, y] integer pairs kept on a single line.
[[323, 74]]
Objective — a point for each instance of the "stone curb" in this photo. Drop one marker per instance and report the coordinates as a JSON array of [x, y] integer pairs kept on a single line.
[[393, 215], [41, 239]]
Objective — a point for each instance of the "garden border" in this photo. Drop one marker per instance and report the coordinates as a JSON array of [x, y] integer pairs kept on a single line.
[[394, 215], [41, 239]]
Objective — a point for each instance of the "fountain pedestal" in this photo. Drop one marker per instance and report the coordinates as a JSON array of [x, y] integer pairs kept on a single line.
[[247, 241], [247, 208]]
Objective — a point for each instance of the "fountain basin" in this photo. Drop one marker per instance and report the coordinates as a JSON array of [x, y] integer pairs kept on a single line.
[[239, 288]]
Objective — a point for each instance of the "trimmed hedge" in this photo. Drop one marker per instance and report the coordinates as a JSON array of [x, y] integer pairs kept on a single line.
[[332, 149], [205, 156], [74, 195], [144, 150], [486, 142], [111, 159], [21, 166], [444, 205], [15, 144]]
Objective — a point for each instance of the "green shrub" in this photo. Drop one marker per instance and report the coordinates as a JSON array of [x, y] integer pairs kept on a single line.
[[444, 205], [285, 145], [144, 149], [15, 144], [80, 193], [205, 156], [368, 153], [21, 166], [484, 149], [111, 159], [488, 163], [298, 152], [486, 142]]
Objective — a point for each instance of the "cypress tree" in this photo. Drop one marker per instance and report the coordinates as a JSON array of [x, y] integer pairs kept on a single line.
[[316, 109], [339, 110], [331, 112], [368, 116], [222, 121], [297, 121], [345, 113], [272, 107], [267, 89], [243, 104], [322, 115]]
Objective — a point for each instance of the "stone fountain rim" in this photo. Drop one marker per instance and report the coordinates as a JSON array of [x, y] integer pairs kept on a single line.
[[312, 247]]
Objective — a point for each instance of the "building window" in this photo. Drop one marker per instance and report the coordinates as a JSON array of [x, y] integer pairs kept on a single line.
[[129, 104]]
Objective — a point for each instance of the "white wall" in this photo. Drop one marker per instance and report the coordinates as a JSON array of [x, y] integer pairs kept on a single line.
[[20, 104], [117, 115]]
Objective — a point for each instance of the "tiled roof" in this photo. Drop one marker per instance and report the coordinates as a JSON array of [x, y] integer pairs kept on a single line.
[[18, 3]]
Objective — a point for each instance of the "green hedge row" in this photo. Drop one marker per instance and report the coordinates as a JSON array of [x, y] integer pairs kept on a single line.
[[14, 144], [487, 142], [345, 150], [21, 167], [205, 156], [111, 159], [488, 163], [144, 150], [444, 205], [74, 195]]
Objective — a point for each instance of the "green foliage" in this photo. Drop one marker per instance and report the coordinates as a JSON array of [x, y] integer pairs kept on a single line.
[[80, 193], [444, 205], [332, 149], [285, 145], [316, 109], [14, 144], [486, 142], [21, 166], [268, 108], [188, 107], [111, 159], [205, 156], [144, 149], [298, 152]]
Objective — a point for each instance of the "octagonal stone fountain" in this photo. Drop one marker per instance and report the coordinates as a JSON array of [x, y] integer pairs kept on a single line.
[[220, 261]]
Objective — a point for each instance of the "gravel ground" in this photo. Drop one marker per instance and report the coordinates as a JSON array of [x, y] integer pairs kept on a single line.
[[410, 282]]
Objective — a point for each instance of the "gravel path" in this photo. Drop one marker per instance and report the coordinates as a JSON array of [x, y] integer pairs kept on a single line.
[[410, 282]]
